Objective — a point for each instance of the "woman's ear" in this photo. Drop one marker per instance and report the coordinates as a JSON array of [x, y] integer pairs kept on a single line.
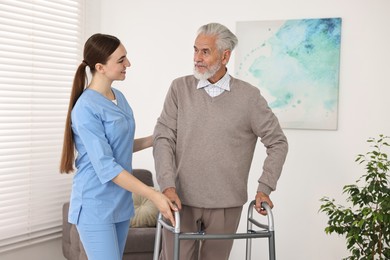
[[99, 67]]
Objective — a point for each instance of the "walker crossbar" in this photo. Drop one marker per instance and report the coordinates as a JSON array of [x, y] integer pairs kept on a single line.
[[266, 231]]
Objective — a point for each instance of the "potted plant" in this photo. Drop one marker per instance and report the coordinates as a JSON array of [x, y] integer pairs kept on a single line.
[[366, 224]]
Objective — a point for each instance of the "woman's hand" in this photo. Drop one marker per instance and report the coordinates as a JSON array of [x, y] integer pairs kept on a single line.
[[131, 183], [165, 206]]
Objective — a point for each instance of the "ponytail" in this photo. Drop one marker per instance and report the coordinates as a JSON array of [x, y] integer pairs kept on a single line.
[[68, 151]]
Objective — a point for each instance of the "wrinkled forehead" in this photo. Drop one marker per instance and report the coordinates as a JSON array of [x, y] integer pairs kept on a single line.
[[204, 41]]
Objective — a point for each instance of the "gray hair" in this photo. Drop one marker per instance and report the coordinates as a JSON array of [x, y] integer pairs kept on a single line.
[[226, 40]]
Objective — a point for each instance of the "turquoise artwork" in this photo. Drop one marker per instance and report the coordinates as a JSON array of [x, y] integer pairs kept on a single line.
[[295, 64]]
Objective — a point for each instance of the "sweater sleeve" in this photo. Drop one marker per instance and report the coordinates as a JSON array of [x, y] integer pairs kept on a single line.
[[266, 126], [164, 142]]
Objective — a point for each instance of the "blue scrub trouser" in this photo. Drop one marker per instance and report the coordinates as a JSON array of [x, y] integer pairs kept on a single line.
[[104, 241]]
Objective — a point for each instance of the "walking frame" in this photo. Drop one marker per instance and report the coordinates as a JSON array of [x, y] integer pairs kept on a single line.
[[266, 231]]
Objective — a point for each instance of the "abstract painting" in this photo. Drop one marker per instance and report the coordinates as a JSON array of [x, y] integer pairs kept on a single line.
[[295, 64]]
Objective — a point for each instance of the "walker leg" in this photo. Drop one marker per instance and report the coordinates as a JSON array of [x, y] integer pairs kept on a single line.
[[176, 247], [248, 248], [271, 242], [249, 229], [157, 241]]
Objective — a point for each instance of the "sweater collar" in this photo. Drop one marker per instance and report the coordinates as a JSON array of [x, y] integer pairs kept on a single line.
[[223, 83]]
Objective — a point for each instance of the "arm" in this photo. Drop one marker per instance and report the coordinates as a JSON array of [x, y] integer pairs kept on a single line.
[[164, 147], [142, 143], [129, 182], [266, 126]]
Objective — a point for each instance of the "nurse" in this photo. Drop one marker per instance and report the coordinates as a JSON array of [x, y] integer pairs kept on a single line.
[[100, 126]]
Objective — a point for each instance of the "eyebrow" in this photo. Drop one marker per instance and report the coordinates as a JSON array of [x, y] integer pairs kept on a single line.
[[202, 49], [124, 56]]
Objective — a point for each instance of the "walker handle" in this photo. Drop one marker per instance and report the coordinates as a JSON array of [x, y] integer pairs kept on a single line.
[[270, 216]]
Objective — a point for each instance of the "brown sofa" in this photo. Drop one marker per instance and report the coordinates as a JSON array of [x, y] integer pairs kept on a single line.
[[140, 241]]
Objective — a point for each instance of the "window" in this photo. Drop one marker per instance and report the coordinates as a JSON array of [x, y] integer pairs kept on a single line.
[[40, 49]]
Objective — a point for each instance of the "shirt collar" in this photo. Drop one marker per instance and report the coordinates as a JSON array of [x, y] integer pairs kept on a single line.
[[223, 83]]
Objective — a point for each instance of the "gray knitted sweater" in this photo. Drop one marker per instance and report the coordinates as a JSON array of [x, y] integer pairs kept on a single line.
[[204, 146]]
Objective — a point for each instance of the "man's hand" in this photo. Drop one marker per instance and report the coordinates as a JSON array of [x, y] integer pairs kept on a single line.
[[262, 197], [172, 196]]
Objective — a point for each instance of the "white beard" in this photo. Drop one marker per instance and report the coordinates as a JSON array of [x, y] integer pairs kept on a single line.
[[208, 74]]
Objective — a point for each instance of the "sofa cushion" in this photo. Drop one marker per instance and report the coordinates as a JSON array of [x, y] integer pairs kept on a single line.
[[140, 240], [144, 175], [145, 212]]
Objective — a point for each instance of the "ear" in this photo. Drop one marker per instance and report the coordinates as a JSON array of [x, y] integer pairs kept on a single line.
[[226, 57], [99, 68]]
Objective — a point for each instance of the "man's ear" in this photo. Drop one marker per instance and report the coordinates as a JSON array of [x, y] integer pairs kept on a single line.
[[226, 56], [99, 67]]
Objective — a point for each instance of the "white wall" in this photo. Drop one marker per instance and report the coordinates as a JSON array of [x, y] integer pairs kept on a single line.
[[159, 38]]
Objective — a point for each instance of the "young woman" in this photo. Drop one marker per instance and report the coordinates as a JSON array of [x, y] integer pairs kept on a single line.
[[100, 126]]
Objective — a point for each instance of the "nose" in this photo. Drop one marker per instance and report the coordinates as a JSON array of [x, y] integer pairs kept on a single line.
[[198, 57], [127, 63]]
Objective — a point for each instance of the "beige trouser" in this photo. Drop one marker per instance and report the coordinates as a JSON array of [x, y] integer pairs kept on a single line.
[[214, 221]]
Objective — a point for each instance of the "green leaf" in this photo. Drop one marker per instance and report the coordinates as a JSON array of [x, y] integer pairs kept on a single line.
[[366, 224]]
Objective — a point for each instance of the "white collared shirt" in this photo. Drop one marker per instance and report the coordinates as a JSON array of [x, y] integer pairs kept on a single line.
[[217, 88]]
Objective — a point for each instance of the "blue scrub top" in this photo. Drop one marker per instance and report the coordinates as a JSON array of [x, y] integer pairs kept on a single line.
[[104, 137]]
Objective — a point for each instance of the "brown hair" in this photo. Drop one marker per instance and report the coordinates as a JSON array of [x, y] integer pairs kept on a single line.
[[97, 49]]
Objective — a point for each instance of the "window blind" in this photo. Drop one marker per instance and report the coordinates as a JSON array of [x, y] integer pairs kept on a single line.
[[40, 49]]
